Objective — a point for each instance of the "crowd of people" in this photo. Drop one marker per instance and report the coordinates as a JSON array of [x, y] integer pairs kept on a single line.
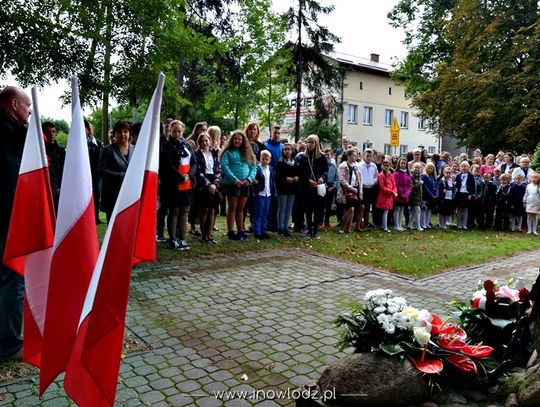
[[279, 186], [282, 187]]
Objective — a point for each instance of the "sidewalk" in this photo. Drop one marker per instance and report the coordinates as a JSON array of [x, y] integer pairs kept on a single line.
[[260, 321]]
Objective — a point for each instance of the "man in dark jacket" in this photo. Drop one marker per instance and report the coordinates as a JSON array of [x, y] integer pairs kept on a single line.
[[94, 150], [56, 156], [14, 114]]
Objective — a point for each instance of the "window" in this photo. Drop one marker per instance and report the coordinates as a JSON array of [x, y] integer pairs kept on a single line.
[[421, 123], [403, 149], [388, 149], [353, 114], [404, 123], [389, 91], [368, 115], [361, 85], [388, 116], [367, 144], [431, 150]]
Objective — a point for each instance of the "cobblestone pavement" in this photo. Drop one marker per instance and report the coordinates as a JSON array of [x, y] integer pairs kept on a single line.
[[261, 321]]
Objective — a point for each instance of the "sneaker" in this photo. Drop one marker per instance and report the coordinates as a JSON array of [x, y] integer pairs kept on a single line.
[[315, 236], [386, 230], [233, 236], [160, 238], [242, 235], [535, 233], [265, 236], [195, 233], [183, 245], [213, 241], [174, 245]]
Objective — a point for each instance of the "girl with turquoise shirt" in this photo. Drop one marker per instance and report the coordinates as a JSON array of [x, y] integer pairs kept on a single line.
[[239, 170]]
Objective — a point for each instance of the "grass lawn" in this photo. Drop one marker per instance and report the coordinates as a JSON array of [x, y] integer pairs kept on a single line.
[[416, 254]]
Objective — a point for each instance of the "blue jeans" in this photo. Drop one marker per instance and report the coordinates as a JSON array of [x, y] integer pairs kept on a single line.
[[285, 204], [11, 311], [261, 207]]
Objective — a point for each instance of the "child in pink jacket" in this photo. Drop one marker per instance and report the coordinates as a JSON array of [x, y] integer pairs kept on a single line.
[[403, 182], [387, 193]]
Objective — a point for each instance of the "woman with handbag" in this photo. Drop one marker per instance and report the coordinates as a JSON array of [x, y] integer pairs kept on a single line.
[[313, 172], [349, 193]]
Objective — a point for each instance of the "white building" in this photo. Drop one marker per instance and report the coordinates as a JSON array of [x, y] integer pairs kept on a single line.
[[370, 102]]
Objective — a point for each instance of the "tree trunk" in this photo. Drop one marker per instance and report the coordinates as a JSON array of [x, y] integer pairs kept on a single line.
[[107, 72], [298, 71], [270, 100]]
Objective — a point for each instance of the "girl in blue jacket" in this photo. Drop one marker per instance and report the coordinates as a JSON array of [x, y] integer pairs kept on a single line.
[[238, 169]]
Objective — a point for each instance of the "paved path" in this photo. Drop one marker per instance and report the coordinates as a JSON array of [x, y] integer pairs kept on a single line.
[[253, 322]]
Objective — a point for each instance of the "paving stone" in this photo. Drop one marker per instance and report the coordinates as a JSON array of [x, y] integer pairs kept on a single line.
[[161, 384], [206, 333]]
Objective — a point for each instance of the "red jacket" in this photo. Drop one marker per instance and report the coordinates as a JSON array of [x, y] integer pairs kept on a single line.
[[387, 189]]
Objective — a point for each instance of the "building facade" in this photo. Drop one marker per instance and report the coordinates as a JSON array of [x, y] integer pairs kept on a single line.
[[371, 100]]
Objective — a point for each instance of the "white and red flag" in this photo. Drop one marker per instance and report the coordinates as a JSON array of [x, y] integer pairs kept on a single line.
[[92, 374], [31, 235], [74, 254]]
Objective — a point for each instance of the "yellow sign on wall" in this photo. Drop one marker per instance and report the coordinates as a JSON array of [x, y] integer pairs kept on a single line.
[[394, 133]]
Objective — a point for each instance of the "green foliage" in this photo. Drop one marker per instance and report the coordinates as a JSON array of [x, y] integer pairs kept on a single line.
[[535, 163], [241, 63], [327, 130], [62, 128], [61, 125], [121, 112], [311, 68], [473, 68]]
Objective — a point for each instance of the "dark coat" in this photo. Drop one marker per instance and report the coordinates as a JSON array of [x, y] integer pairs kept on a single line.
[[320, 169], [202, 181], [112, 169], [471, 185], [515, 197], [94, 151], [284, 170], [12, 137], [168, 166], [259, 187], [487, 194], [257, 147], [56, 156], [430, 189]]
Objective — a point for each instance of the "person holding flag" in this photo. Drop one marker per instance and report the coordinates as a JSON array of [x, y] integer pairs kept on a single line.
[[14, 113]]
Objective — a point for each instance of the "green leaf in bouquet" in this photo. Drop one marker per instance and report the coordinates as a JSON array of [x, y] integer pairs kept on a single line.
[[391, 348]]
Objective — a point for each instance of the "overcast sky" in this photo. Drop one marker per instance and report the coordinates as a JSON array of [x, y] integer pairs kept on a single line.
[[362, 26]]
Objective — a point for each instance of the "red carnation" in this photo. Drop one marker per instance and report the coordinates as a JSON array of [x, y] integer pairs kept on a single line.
[[522, 294], [489, 286]]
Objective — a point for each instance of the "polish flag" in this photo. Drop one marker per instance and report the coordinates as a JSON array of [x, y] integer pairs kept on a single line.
[[92, 374], [30, 237], [74, 254]]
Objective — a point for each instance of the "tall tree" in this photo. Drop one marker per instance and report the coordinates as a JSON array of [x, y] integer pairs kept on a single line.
[[484, 90], [311, 42], [242, 65]]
